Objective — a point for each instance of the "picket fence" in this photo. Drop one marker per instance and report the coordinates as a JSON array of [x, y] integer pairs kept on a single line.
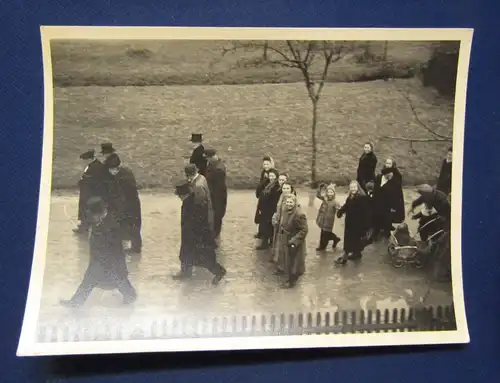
[[429, 318]]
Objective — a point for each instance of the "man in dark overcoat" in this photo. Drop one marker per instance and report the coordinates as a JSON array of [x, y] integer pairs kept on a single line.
[[201, 193], [216, 179], [197, 240], [438, 200], [90, 185], [198, 155], [107, 150], [444, 179], [125, 186], [107, 266]]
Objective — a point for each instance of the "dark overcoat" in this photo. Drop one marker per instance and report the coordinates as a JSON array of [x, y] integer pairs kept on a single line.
[[439, 201], [90, 185], [198, 158], [216, 179], [107, 265], [357, 222], [127, 185], [444, 179], [266, 207], [366, 169], [197, 240], [388, 203], [263, 181]]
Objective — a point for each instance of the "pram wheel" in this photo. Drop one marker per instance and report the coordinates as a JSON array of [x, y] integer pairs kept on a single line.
[[397, 263], [419, 264], [391, 249]]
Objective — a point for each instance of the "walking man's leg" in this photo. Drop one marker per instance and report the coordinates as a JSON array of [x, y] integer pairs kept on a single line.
[[80, 296]]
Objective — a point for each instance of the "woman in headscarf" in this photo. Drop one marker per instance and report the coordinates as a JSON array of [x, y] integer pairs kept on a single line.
[[388, 203], [266, 207], [267, 164], [357, 223], [366, 166], [292, 232], [277, 258], [398, 213]]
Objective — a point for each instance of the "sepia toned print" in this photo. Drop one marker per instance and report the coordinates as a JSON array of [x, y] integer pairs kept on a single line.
[[257, 186]]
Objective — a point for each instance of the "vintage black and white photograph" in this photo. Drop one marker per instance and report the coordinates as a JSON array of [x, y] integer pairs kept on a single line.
[[237, 188]]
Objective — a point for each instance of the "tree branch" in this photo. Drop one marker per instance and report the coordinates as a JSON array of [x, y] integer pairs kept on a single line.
[[417, 118], [409, 139]]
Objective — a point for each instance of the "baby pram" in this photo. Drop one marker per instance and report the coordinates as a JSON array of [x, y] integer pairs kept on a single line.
[[407, 250]]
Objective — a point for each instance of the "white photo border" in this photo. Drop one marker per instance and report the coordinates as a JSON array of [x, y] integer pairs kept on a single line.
[[28, 346]]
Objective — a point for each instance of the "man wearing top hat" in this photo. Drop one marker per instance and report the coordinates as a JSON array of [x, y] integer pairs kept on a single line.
[[90, 184], [124, 197], [216, 179], [197, 240], [198, 155], [107, 267]]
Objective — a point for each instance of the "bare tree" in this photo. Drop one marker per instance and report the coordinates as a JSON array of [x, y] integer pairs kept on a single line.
[[313, 59], [432, 132]]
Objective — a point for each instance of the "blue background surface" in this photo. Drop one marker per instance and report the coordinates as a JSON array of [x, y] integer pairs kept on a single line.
[[21, 117]]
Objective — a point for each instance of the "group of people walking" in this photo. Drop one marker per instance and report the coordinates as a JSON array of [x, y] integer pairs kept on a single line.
[[109, 205], [374, 206]]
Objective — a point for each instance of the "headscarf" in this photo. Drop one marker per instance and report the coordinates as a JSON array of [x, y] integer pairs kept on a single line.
[[270, 159]]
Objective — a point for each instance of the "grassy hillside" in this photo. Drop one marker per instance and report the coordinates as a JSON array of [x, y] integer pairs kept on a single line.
[[151, 126], [137, 63]]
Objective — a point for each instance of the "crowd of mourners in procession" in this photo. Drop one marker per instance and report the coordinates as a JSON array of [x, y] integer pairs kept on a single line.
[[110, 207]]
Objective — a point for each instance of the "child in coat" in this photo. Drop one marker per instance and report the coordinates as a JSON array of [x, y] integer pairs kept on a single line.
[[326, 216]]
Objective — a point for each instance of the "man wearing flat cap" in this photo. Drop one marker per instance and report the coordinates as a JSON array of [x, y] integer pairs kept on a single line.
[[216, 179], [438, 200], [124, 197], [90, 184], [107, 267], [197, 240], [198, 155]]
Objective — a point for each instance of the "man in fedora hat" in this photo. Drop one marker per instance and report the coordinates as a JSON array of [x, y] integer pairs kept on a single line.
[[216, 179], [198, 155], [197, 240], [90, 185], [107, 267]]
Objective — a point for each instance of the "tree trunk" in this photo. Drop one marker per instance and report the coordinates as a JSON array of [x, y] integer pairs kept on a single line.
[[386, 71], [265, 51], [314, 150]]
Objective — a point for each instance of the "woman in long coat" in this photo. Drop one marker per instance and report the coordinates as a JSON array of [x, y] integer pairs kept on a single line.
[[357, 222], [366, 166], [398, 215], [292, 234], [388, 203], [277, 258], [267, 164], [267, 205]]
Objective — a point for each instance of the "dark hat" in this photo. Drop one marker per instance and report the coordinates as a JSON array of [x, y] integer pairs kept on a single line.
[[387, 171], [266, 158], [113, 161], [210, 152], [107, 148], [89, 154], [370, 185], [183, 188], [96, 205], [196, 137]]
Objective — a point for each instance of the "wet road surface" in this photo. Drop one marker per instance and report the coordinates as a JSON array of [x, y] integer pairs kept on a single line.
[[249, 288]]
